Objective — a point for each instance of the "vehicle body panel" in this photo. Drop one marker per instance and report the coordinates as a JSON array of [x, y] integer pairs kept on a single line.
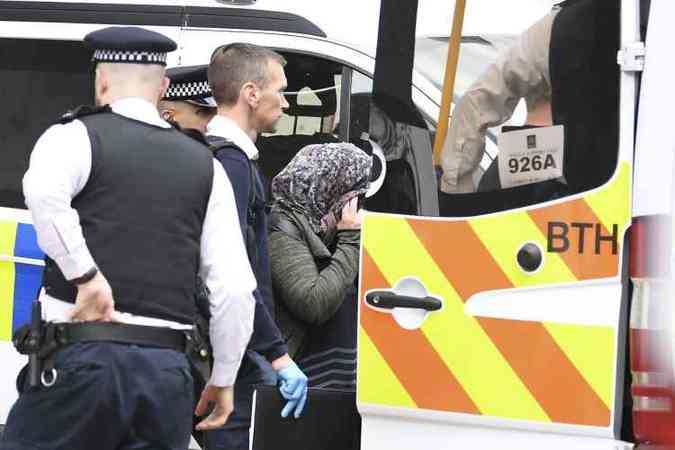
[[508, 351], [21, 265], [558, 373], [652, 333]]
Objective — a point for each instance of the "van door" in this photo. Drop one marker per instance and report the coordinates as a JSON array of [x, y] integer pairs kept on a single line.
[[501, 323], [651, 323]]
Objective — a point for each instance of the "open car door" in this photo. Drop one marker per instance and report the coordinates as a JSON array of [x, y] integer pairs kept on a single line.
[[501, 322]]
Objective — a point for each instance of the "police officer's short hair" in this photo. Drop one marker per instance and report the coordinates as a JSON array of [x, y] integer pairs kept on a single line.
[[234, 65]]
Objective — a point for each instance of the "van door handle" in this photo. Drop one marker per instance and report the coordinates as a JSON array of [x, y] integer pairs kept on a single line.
[[391, 300]]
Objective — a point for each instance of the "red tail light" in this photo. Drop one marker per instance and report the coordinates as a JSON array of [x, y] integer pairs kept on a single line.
[[651, 344], [650, 247]]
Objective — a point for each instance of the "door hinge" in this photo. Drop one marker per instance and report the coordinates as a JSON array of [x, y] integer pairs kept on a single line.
[[631, 57]]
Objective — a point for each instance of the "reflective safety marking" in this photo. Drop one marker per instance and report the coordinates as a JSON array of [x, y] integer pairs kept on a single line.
[[378, 384], [612, 203], [592, 350], [462, 343], [566, 370], [7, 279], [28, 277], [527, 346], [575, 226], [503, 235], [409, 354], [26, 245], [571, 383]]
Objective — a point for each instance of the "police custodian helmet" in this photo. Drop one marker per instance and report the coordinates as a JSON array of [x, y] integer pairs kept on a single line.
[[132, 45], [190, 84]]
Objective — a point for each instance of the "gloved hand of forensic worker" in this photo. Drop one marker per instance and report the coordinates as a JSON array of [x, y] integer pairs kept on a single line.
[[293, 386]]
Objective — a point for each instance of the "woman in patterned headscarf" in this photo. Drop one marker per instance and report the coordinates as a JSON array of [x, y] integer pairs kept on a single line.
[[314, 255]]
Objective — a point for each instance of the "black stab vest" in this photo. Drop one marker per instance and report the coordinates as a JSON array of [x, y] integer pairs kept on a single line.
[[141, 213]]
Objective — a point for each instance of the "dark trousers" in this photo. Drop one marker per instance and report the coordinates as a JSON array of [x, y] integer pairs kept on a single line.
[[106, 397], [234, 435]]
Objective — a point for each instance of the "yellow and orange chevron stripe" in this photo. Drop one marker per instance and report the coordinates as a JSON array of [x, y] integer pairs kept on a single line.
[[517, 369]]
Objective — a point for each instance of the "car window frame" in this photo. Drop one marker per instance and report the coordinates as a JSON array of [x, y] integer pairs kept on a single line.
[[199, 40]]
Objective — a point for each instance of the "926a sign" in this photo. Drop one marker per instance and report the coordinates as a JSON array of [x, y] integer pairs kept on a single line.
[[531, 155], [531, 163]]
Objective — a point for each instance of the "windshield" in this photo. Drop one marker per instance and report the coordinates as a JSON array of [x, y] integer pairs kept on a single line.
[[476, 54]]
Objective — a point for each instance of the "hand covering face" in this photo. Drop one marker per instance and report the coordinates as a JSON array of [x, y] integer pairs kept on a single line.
[[320, 180]]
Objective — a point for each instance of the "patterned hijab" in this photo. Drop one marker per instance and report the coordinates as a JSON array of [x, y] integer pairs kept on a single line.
[[320, 180]]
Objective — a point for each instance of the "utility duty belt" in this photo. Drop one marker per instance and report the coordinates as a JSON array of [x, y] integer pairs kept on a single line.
[[41, 340]]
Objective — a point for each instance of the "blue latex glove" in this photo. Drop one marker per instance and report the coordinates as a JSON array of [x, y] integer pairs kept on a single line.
[[293, 387]]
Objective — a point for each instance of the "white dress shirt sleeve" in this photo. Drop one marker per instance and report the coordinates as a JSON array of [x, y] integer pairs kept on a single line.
[[59, 169], [227, 273]]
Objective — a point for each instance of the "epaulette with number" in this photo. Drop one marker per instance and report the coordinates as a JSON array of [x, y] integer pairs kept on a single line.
[[81, 111]]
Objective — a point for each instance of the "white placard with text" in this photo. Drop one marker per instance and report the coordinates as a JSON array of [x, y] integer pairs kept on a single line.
[[531, 155]]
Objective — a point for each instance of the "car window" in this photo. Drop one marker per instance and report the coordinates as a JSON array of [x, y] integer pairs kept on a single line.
[[568, 141], [307, 125], [313, 95], [41, 79], [399, 193], [475, 56], [318, 91]]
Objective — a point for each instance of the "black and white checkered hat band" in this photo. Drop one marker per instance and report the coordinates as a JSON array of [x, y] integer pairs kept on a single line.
[[181, 91], [126, 56]]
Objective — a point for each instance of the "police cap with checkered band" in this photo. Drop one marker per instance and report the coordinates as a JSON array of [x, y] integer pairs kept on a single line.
[[190, 84], [132, 45]]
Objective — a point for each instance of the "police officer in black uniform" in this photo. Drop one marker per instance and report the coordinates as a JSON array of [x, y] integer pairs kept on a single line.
[[129, 211], [188, 101]]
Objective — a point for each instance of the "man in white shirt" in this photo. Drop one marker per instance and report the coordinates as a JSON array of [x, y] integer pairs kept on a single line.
[[248, 83], [129, 211]]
